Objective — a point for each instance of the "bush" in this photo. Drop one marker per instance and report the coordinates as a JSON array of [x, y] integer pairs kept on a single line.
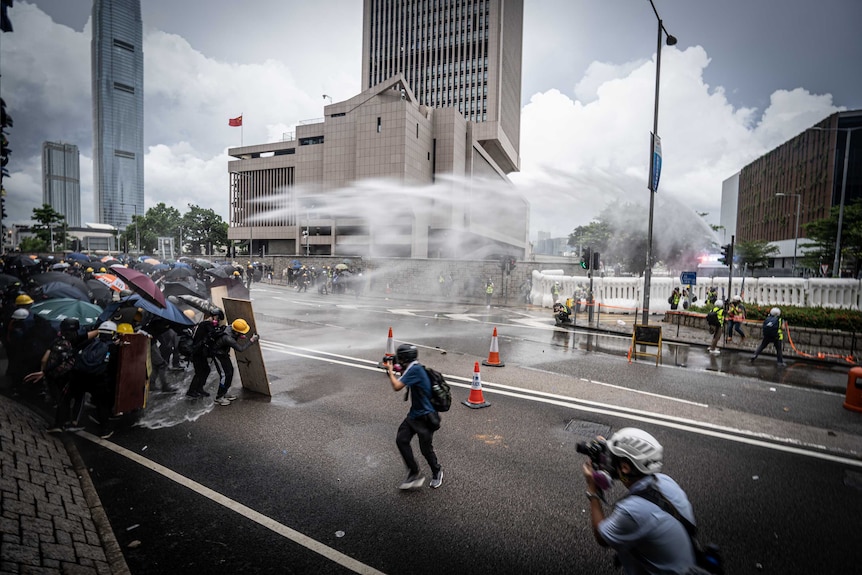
[[813, 317]]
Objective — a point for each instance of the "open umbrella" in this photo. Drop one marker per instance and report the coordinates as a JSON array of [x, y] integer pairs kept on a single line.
[[182, 265], [6, 280], [182, 288], [50, 277], [161, 267], [341, 267], [101, 293], [111, 281], [61, 308], [219, 272], [169, 312], [56, 290], [180, 273], [151, 261], [141, 284], [77, 257]]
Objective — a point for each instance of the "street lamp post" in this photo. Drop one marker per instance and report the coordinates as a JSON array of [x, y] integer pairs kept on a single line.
[[671, 40], [796, 235], [137, 224]]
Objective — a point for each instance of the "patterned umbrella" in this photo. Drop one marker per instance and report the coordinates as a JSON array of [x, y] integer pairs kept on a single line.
[[61, 308], [111, 281]]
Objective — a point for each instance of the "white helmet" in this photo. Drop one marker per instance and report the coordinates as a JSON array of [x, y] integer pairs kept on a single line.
[[775, 311], [719, 303], [639, 447], [21, 313], [108, 327], [735, 299]]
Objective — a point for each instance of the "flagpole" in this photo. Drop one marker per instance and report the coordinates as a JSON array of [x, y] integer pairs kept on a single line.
[[240, 131]]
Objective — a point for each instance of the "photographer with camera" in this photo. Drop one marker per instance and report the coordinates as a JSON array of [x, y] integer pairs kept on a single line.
[[646, 526], [422, 419]]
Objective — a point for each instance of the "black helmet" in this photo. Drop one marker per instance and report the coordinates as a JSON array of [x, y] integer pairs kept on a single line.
[[406, 353], [70, 324], [217, 313]]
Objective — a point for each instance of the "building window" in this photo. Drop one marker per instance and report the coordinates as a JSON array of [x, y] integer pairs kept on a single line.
[[379, 127], [311, 141], [123, 45], [124, 87], [124, 154]]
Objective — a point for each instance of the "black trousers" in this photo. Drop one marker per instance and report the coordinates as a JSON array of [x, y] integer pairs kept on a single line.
[[201, 364], [406, 431]]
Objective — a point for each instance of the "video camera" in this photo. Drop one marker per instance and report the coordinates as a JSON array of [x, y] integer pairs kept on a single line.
[[602, 462], [396, 367]]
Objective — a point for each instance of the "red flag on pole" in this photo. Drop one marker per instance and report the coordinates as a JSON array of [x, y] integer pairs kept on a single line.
[[235, 121]]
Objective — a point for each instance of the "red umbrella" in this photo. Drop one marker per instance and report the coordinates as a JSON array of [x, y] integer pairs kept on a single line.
[[141, 284]]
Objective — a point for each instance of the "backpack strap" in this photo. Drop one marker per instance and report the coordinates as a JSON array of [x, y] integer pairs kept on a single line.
[[654, 496]]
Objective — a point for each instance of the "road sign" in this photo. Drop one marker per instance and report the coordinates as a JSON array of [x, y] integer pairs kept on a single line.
[[824, 269], [688, 278]]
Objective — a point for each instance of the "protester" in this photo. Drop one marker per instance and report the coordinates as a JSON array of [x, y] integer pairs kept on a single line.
[[489, 292], [646, 538], [772, 333], [674, 298], [201, 353], [715, 320], [422, 419], [735, 318], [236, 339]]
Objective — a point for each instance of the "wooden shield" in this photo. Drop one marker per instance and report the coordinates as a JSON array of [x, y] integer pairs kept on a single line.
[[131, 392], [252, 371]]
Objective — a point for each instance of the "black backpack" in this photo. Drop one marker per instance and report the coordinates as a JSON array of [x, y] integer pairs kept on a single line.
[[770, 327], [712, 319], [441, 394], [94, 357], [185, 344]]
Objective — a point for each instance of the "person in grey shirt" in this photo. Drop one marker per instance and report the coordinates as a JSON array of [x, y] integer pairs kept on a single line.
[[647, 539]]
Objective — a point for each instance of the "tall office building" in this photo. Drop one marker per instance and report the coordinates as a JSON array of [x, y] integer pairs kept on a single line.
[[464, 54], [118, 111], [61, 180]]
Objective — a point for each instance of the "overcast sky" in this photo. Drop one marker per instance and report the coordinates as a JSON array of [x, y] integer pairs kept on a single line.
[[745, 76]]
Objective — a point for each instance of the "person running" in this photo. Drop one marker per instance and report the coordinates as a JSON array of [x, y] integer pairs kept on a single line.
[[715, 320], [735, 318], [772, 333], [422, 419]]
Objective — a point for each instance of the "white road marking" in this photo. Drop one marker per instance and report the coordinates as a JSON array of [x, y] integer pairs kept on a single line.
[[259, 518], [785, 444]]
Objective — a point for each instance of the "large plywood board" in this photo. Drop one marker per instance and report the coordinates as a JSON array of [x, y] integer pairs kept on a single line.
[[131, 390], [252, 371], [217, 294]]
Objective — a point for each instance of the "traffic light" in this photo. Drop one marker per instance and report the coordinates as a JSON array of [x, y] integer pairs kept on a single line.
[[586, 257], [726, 255], [596, 260], [3, 207]]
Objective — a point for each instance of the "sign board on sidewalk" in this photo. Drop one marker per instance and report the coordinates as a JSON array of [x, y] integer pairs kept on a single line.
[[646, 336], [688, 278]]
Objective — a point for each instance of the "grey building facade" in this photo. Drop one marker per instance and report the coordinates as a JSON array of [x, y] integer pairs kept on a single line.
[[61, 180], [118, 111], [463, 54]]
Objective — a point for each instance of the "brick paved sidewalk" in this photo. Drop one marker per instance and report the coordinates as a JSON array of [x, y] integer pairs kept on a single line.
[[51, 520]]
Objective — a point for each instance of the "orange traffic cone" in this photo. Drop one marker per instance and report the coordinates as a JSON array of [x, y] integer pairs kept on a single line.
[[494, 355], [476, 399], [390, 350]]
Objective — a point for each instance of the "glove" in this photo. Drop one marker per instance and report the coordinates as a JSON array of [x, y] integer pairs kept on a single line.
[[255, 338]]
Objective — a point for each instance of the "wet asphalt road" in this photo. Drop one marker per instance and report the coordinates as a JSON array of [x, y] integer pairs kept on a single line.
[[755, 455]]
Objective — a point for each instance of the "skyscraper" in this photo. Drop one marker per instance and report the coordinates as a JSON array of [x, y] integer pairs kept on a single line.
[[118, 111], [464, 54], [61, 180]]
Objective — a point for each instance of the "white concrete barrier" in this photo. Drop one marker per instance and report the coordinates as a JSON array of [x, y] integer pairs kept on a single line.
[[625, 294]]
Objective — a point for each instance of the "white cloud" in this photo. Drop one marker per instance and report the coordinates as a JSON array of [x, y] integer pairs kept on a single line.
[[577, 157]]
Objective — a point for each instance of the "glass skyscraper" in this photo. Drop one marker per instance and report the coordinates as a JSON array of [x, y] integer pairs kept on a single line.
[[118, 111], [61, 180]]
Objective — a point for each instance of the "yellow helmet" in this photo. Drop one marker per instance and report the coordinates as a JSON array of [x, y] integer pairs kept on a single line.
[[89, 270], [240, 326], [189, 313], [125, 328], [23, 299]]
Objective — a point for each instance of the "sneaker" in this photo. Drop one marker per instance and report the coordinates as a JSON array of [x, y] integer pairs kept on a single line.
[[413, 481], [781, 364], [55, 430], [222, 401], [436, 480], [204, 393], [106, 434], [230, 397], [193, 394], [715, 351]]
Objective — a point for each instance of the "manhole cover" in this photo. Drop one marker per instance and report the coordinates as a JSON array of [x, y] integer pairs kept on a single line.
[[588, 429]]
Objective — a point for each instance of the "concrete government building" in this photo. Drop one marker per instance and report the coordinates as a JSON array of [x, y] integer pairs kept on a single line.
[[413, 166]]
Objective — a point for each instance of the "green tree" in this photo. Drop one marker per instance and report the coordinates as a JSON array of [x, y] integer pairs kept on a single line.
[[753, 255], [51, 225], [159, 221], [204, 231], [32, 245], [820, 249]]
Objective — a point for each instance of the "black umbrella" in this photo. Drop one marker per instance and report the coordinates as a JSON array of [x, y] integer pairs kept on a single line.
[[54, 290], [181, 288], [52, 277], [180, 273], [219, 272], [102, 294], [6, 280]]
